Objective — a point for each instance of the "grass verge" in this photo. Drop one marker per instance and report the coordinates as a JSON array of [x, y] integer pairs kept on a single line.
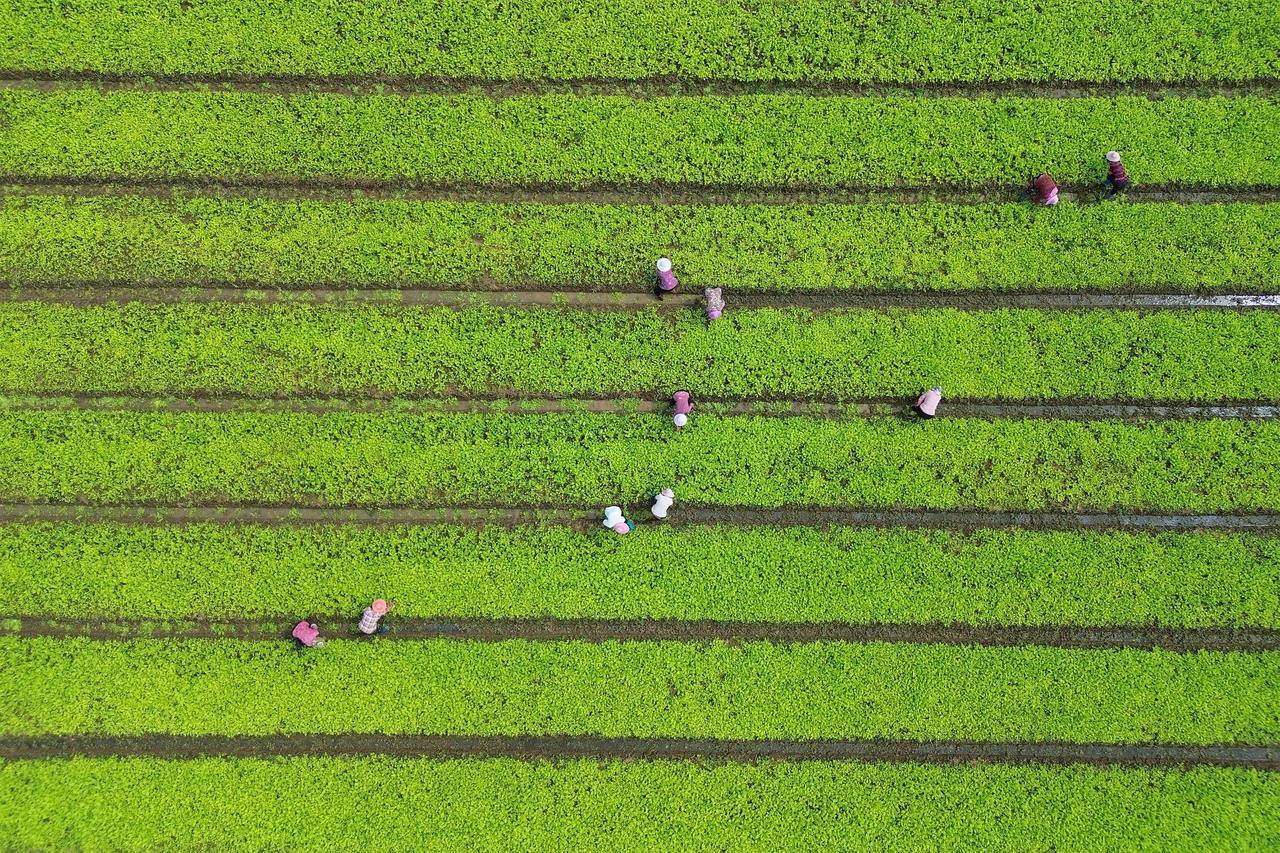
[[582, 140], [989, 577]]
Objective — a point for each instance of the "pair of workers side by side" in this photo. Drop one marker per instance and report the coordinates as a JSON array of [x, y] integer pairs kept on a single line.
[[308, 633], [615, 520], [667, 283], [1044, 189]]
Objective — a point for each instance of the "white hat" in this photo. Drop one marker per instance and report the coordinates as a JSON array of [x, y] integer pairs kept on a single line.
[[612, 516], [680, 420], [1113, 156], [664, 265]]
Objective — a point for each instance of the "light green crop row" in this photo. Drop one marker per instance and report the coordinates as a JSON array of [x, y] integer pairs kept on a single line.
[[395, 243], [341, 459], [641, 689], [498, 804], [820, 40], [989, 577], [572, 140], [351, 349]]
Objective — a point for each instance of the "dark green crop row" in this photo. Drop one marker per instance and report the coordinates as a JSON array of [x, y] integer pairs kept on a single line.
[[643, 689], [989, 577], [791, 353], [342, 459], [753, 140], [498, 804], [393, 243], [817, 40]]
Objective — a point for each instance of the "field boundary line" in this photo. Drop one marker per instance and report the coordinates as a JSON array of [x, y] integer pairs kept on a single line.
[[590, 630], [589, 518], [567, 747], [647, 87], [653, 194], [635, 298], [512, 401]]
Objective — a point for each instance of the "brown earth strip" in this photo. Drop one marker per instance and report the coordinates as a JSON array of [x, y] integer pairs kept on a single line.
[[567, 747], [589, 518], [546, 629], [654, 193], [640, 88], [636, 298], [514, 401]]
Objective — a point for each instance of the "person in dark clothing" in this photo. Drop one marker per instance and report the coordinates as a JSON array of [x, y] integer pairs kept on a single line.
[[1044, 190], [1117, 177]]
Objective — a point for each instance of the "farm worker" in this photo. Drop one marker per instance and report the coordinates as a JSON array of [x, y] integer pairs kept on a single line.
[[614, 521], [667, 282], [662, 503], [683, 407], [927, 405], [715, 303], [1044, 190], [1117, 177], [307, 634], [372, 613]]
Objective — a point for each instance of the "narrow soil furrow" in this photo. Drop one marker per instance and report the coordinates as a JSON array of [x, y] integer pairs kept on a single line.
[[567, 747], [658, 193], [590, 518], [636, 298], [480, 629], [514, 401], [640, 87]]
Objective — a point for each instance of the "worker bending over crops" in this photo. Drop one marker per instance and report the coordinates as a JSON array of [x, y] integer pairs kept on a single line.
[[307, 635], [715, 303], [1117, 177], [1044, 190], [667, 282], [371, 616], [927, 404], [683, 407], [662, 503], [614, 520]]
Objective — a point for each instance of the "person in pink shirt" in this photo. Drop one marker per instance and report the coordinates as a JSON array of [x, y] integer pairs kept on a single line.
[[371, 616], [927, 404], [1044, 190], [667, 281], [683, 408], [307, 635]]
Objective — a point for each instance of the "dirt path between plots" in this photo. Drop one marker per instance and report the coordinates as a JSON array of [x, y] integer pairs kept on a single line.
[[641, 87], [589, 519], [634, 298], [288, 188], [567, 747], [478, 629], [512, 401]]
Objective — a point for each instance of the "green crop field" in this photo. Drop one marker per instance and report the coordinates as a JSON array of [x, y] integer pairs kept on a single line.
[[310, 304]]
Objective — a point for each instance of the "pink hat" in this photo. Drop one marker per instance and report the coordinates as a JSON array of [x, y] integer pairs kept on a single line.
[[1113, 156], [379, 605], [622, 527], [713, 314]]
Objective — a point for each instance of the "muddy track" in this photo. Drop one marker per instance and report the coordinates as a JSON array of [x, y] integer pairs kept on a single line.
[[642, 87], [567, 747], [544, 629], [657, 193], [635, 298], [513, 401], [588, 518]]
